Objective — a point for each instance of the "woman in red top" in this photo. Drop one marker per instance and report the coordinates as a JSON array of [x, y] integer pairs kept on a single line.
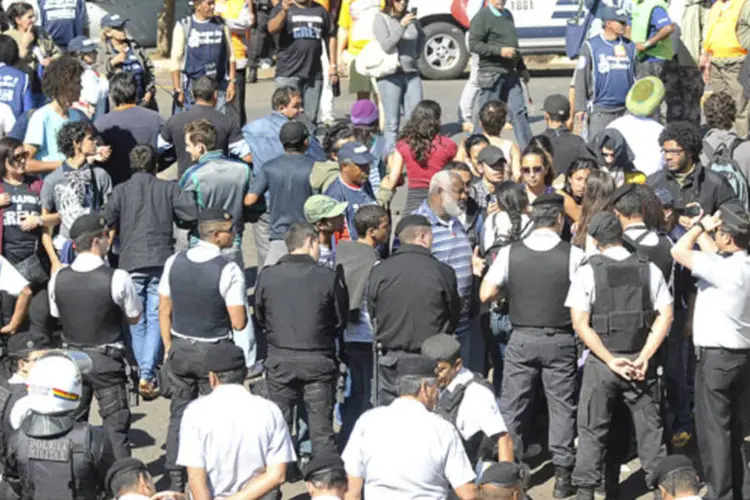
[[422, 150]]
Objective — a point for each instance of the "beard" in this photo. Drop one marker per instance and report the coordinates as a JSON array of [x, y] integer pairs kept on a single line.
[[453, 207]]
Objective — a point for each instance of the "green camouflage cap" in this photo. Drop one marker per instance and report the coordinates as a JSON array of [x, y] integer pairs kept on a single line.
[[320, 206]]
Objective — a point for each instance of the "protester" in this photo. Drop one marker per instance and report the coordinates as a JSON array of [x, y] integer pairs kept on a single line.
[[597, 197], [685, 84], [493, 165], [327, 216], [129, 479], [575, 187], [260, 39], [614, 156], [238, 17], [326, 172], [93, 101], [472, 146], [565, 144], [16, 85], [365, 119], [493, 117], [355, 31], [536, 172], [721, 111], [472, 218]]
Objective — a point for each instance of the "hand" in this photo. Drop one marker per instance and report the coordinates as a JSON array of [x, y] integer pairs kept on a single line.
[[169, 495], [4, 200], [704, 60], [688, 222], [343, 69], [711, 222], [55, 266], [640, 367], [8, 329], [492, 208], [230, 91], [285, 4], [30, 222], [526, 76], [623, 367], [477, 263], [180, 95], [118, 59], [45, 62], [508, 52], [166, 352], [580, 116], [407, 19], [28, 36], [148, 96], [467, 127], [640, 47], [102, 154]]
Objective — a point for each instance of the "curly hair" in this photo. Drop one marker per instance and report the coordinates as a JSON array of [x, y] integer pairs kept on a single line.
[[62, 80], [685, 134], [71, 134], [597, 198], [720, 110], [421, 129], [334, 135], [493, 116]]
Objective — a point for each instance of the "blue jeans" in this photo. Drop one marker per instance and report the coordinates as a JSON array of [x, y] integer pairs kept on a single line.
[[395, 90], [360, 376], [310, 88], [508, 89], [501, 328], [145, 335]]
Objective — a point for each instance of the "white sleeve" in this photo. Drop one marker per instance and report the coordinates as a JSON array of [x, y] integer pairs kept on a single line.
[[232, 285], [11, 281], [580, 293], [499, 270], [486, 411], [124, 294], [164, 281], [53, 311], [458, 469], [660, 295], [280, 447], [352, 456], [576, 259], [190, 449]]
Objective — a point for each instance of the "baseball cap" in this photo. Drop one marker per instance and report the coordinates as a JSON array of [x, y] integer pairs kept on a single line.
[[224, 357], [355, 152], [114, 21], [608, 13], [82, 45], [293, 132], [491, 156], [364, 112], [557, 106], [319, 207], [214, 214], [87, 223], [645, 96]]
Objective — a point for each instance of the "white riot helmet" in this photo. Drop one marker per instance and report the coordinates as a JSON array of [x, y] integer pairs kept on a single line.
[[55, 385]]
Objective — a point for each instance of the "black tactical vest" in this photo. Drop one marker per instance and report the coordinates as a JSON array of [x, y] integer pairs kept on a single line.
[[622, 312], [9, 395], [58, 467], [660, 254], [477, 447]]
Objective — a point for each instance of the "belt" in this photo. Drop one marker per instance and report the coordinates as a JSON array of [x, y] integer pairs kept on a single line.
[[201, 340], [548, 331], [105, 349], [727, 349]]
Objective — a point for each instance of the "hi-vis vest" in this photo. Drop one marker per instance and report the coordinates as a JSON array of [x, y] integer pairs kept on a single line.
[[233, 9], [721, 32], [641, 17]]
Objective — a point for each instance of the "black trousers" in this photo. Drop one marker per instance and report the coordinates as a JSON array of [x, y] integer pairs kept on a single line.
[[311, 379], [236, 108], [386, 389], [600, 389], [532, 357], [722, 378], [260, 38], [107, 381]]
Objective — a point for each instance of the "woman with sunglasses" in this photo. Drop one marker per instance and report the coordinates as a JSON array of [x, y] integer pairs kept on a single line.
[[596, 198], [537, 173]]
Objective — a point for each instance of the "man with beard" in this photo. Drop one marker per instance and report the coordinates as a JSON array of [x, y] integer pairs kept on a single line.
[[445, 203], [689, 182]]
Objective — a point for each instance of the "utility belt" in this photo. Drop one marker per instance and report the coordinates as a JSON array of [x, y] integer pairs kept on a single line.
[[700, 351], [114, 351], [549, 331]]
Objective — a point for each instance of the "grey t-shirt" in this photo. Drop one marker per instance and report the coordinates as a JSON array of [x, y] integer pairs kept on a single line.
[[407, 41], [72, 193]]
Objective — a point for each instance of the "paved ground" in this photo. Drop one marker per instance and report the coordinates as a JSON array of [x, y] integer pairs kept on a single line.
[[150, 419]]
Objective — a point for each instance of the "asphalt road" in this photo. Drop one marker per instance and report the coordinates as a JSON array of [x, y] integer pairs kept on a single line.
[[150, 419]]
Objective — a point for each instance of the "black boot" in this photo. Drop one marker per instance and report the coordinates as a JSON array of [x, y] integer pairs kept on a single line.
[[563, 485], [585, 494], [252, 77], [177, 480]]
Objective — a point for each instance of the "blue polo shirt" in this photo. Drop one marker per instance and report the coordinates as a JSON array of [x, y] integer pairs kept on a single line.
[[356, 197]]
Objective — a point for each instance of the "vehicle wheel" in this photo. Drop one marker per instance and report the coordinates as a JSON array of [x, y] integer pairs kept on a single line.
[[444, 56]]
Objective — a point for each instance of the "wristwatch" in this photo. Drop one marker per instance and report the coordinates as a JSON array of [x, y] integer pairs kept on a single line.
[[700, 225]]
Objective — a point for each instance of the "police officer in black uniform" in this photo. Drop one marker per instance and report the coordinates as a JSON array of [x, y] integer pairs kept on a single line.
[[92, 300], [621, 309], [410, 296], [536, 273], [202, 298], [51, 456]]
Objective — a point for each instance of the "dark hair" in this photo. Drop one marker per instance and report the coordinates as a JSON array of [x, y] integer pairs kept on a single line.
[[421, 129], [651, 207], [329, 478], [579, 164], [533, 149], [83, 242], [8, 146], [282, 96], [545, 215], [368, 217], [741, 237], [143, 158], [204, 88], [297, 234], [123, 89], [630, 205], [8, 50], [681, 481], [543, 142], [73, 133], [16, 10], [720, 110], [410, 234], [474, 140], [126, 480], [513, 200], [236, 376], [599, 189], [685, 134], [335, 134], [363, 133], [452, 166], [493, 116], [62, 80], [202, 132]]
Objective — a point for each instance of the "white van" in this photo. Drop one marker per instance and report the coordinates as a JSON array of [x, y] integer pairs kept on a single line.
[[540, 25]]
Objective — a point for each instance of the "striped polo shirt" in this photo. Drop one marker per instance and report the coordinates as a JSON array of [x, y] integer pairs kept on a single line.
[[450, 245]]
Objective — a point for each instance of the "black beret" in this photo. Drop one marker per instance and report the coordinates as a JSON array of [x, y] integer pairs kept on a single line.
[[505, 474], [214, 214], [22, 343], [621, 191], [734, 215], [669, 465], [120, 466], [415, 365], [86, 224], [549, 199], [441, 347], [412, 221], [322, 462], [605, 224], [224, 357]]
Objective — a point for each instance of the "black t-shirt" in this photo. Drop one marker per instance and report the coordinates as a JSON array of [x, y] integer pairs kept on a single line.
[[300, 46], [566, 148], [18, 244], [228, 132]]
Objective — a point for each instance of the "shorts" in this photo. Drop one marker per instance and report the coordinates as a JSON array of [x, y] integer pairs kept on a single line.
[[357, 82]]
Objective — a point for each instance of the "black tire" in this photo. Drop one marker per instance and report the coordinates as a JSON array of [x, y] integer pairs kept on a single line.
[[452, 62]]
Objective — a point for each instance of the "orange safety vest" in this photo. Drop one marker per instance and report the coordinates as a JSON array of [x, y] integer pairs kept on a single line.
[[721, 32]]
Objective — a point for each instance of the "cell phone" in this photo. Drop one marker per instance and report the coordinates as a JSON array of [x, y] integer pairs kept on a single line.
[[413, 11], [693, 210]]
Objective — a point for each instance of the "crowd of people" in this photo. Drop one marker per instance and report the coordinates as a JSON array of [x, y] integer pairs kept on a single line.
[[583, 290]]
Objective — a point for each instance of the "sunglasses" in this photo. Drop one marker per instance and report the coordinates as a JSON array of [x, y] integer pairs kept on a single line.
[[530, 170], [19, 157]]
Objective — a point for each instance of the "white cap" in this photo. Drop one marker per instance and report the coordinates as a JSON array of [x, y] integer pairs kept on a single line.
[[55, 384]]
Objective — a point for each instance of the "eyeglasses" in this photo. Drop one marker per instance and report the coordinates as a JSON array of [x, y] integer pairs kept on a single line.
[[674, 152], [529, 170]]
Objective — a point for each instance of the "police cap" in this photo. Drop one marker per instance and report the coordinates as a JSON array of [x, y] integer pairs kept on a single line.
[[605, 225], [504, 474], [21, 344], [622, 191], [734, 215], [412, 221], [416, 366], [321, 463], [214, 214], [669, 465], [224, 357], [122, 465], [442, 347], [549, 199], [87, 224]]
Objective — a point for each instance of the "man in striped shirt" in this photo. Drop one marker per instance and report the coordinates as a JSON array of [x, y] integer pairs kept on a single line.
[[445, 203]]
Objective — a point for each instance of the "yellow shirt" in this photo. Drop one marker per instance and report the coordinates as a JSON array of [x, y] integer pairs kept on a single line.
[[721, 31], [238, 17], [326, 4], [357, 17]]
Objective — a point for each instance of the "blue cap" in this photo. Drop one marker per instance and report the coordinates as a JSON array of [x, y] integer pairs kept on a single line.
[[114, 21], [607, 13], [82, 45], [356, 152]]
